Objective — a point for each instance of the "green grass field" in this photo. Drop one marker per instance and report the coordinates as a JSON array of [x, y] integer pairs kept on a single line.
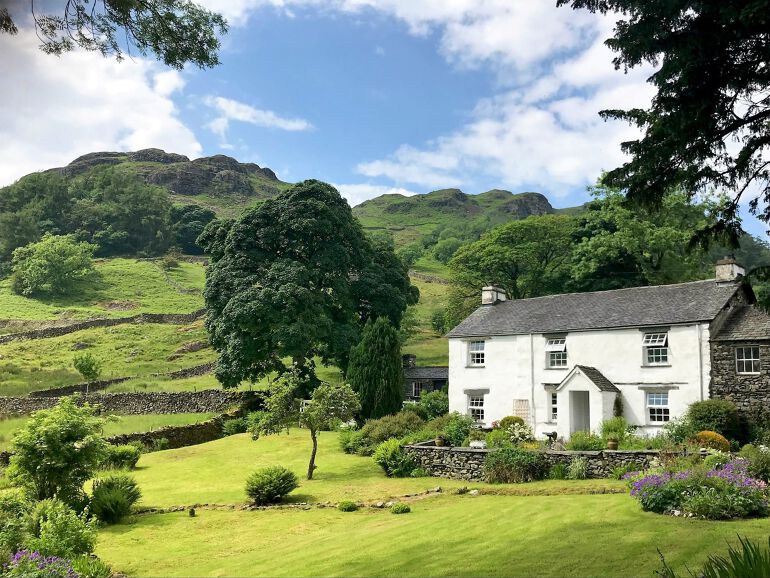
[[123, 350], [430, 348], [125, 287], [552, 528], [114, 424]]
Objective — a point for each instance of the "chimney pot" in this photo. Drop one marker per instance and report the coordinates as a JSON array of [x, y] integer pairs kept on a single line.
[[491, 295], [409, 360], [728, 270]]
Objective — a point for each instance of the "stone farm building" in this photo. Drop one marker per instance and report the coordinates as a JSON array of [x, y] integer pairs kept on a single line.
[[420, 380], [567, 362]]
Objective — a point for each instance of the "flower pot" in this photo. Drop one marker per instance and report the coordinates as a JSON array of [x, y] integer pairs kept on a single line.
[[612, 444]]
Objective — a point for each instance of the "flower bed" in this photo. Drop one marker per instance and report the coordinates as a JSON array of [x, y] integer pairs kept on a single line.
[[717, 494]]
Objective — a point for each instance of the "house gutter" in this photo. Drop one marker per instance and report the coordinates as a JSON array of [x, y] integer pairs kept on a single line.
[[700, 358], [532, 379]]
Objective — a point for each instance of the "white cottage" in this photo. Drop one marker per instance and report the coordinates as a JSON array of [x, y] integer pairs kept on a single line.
[[567, 362]]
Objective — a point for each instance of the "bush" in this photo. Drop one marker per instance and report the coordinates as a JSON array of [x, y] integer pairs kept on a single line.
[[577, 468], [507, 422], [396, 426], [14, 511], [416, 409], [499, 438], [270, 485], [716, 459], [679, 430], [716, 415], [434, 404], [400, 508], [616, 427], [712, 440], [159, 444], [58, 531], [234, 426], [392, 458], [351, 441], [457, 429], [54, 265], [113, 496], [558, 471], [123, 457], [419, 473], [759, 461], [347, 506], [26, 564], [87, 365], [619, 471], [585, 441], [514, 465], [520, 433], [750, 560], [91, 567]]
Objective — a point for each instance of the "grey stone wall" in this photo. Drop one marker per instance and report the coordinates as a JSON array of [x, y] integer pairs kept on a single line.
[[139, 403], [170, 318], [747, 392], [468, 463]]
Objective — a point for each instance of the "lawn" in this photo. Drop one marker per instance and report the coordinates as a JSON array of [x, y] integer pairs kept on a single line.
[[115, 424], [553, 528], [124, 287], [131, 349]]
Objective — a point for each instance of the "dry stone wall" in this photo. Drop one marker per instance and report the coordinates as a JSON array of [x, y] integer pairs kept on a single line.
[[468, 463]]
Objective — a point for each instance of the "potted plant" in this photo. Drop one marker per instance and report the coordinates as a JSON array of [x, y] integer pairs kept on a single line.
[[612, 442], [477, 439]]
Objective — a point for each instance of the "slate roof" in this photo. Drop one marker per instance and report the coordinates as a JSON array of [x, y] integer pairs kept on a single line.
[[598, 378], [633, 307], [745, 324], [430, 372]]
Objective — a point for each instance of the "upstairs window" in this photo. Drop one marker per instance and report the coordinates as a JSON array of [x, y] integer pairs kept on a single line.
[[655, 348], [476, 353], [657, 407], [476, 407], [747, 360], [556, 353]]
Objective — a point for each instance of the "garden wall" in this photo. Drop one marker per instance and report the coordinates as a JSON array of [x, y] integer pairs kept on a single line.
[[170, 318], [139, 403], [468, 463]]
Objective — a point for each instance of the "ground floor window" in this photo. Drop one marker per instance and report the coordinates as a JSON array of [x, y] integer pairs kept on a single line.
[[553, 407], [416, 388], [657, 407], [476, 407]]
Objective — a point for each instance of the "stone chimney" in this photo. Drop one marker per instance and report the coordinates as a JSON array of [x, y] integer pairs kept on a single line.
[[491, 295], [728, 270], [409, 360]]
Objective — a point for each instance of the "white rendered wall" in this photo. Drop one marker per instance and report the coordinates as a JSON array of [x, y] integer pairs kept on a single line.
[[515, 368]]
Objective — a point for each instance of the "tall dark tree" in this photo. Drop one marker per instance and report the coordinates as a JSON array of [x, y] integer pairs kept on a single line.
[[176, 32], [288, 279], [188, 223], [709, 122], [375, 370]]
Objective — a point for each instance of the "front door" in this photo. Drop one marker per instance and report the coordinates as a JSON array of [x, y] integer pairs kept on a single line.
[[580, 411]]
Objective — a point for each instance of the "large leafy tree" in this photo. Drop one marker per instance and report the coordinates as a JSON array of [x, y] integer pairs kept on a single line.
[[188, 223], [292, 278], [54, 265], [375, 370], [176, 32], [709, 123]]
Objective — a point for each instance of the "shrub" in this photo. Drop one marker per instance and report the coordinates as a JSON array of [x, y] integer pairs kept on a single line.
[[269, 485], [236, 425], [392, 458], [679, 430], [508, 421], [498, 438], [712, 440], [759, 461], [347, 506], [123, 457], [716, 459], [58, 531], [91, 567], [351, 441], [54, 265], [577, 468], [585, 441], [419, 473], [14, 511], [619, 471], [416, 409], [26, 564], [159, 444], [520, 433], [87, 365], [558, 471], [514, 465], [457, 429], [616, 427], [396, 426], [400, 508], [435, 404], [750, 560], [717, 415], [113, 496]]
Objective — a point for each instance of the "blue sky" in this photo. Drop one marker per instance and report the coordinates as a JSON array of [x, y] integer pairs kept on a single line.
[[373, 96]]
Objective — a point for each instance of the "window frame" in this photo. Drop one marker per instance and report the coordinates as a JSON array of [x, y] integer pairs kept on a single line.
[[477, 357], [752, 360], [553, 407], [416, 389], [655, 349], [475, 407], [556, 356], [657, 405]]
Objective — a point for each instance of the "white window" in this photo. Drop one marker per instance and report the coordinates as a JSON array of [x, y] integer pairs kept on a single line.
[[553, 407], [556, 352], [747, 359], [476, 407], [476, 352], [657, 407], [655, 348], [416, 388]]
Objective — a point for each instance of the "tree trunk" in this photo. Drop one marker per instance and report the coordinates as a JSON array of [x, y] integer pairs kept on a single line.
[[311, 466]]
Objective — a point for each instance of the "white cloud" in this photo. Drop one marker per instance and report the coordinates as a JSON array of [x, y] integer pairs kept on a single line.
[[358, 193], [55, 109], [232, 110]]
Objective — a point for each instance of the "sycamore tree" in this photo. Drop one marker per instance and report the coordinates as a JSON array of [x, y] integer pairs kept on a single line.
[[284, 408], [294, 279], [176, 32], [708, 125], [375, 370]]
